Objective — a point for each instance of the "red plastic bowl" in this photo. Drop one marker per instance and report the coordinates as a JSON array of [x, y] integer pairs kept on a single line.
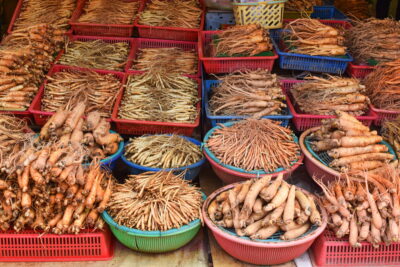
[[262, 253], [229, 176]]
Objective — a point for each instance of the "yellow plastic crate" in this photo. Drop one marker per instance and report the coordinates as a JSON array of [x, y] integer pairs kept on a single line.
[[289, 14], [268, 14]]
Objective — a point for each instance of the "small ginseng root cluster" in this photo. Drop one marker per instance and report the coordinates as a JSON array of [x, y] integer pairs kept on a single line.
[[92, 135], [364, 207], [155, 201], [311, 37], [351, 144], [109, 12], [319, 96], [302, 5], [260, 208], [243, 40], [254, 93]]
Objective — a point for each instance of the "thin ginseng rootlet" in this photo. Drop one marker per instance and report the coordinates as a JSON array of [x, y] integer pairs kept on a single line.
[[155, 201], [259, 208], [254, 145], [162, 151]]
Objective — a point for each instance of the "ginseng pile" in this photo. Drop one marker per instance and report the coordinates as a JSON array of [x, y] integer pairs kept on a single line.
[[364, 208], [254, 93], [311, 37], [155, 201], [358, 9], [109, 12], [54, 12], [159, 96], [162, 151], [351, 144], [259, 208], [254, 144], [302, 5], [14, 136], [96, 54], [25, 58], [374, 39], [321, 96], [68, 87], [383, 86], [391, 133], [174, 13], [69, 129], [168, 59], [246, 40]]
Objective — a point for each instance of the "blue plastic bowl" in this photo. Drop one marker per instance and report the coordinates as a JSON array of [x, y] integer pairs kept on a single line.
[[192, 171]]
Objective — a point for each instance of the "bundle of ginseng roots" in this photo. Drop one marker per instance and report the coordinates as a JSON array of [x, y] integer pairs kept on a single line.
[[109, 12], [160, 96], [374, 39], [155, 201], [254, 144], [174, 13], [260, 208], [383, 86], [365, 207], [169, 59], [321, 96], [96, 54], [242, 40], [301, 5], [391, 133], [92, 134], [25, 58], [351, 144], [69, 87], [311, 37], [54, 12], [357, 9], [45, 193], [251, 93]]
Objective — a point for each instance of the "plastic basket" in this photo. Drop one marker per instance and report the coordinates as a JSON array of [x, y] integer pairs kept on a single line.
[[33, 246], [111, 40], [292, 14], [303, 121], [137, 127], [155, 43], [209, 84], [40, 116], [294, 61], [170, 33], [268, 14], [97, 29], [383, 115], [359, 71], [329, 251], [153, 241], [217, 20], [261, 252], [190, 171], [230, 64], [328, 12]]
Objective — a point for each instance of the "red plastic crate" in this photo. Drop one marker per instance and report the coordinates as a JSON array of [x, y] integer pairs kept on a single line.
[[137, 127], [359, 71], [140, 43], [306, 121], [96, 29], [329, 251], [383, 115], [111, 40], [170, 33], [35, 109], [31, 246], [229, 64]]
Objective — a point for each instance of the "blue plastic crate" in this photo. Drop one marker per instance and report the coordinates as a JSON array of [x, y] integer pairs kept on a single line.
[[214, 20], [208, 85], [293, 61], [328, 12]]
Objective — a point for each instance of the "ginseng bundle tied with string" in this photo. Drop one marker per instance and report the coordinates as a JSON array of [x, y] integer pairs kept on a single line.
[[247, 93], [254, 144]]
